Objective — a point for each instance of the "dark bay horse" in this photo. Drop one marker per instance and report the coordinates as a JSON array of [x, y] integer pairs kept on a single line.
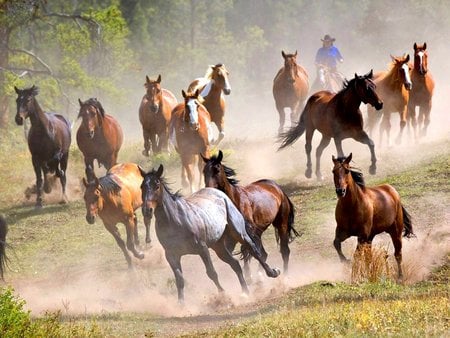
[[3, 257], [336, 116], [49, 141], [367, 211], [114, 198], [155, 112], [99, 136], [393, 87], [290, 89], [261, 203], [191, 225], [211, 86], [421, 93], [190, 133]]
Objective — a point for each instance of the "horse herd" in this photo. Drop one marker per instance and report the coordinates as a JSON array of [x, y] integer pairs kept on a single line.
[[225, 213]]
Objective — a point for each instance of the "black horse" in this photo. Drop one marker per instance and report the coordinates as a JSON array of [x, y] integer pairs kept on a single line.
[[48, 140]]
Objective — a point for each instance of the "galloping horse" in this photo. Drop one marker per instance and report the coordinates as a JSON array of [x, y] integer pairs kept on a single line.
[[49, 140], [261, 203], [99, 136], [290, 88], [190, 133], [336, 116], [393, 87], [367, 211], [114, 198], [155, 112], [3, 257], [211, 87], [205, 219], [327, 79], [421, 93]]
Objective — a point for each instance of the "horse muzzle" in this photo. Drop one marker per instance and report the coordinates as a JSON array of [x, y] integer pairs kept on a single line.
[[341, 192], [408, 86], [19, 120], [90, 219], [378, 105], [154, 108], [227, 91], [194, 126], [147, 212]]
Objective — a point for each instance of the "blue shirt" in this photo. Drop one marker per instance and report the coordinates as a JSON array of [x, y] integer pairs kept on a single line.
[[328, 56]]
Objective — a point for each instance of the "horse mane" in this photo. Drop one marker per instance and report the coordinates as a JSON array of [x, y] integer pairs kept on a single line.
[[229, 172], [356, 173], [33, 90], [210, 70], [109, 185], [94, 102]]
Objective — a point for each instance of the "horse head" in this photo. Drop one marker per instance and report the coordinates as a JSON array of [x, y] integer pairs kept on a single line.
[[92, 198], [403, 67], [290, 65], [220, 77], [154, 93], [421, 58], [25, 103], [341, 174], [365, 88], [191, 106], [151, 188], [213, 170], [92, 114]]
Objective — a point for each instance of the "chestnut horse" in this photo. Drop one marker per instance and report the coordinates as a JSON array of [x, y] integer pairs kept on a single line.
[[261, 203], [211, 87], [336, 116], [114, 198], [191, 225], [99, 136], [190, 133], [367, 211], [393, 87], [290, 89], [49, 141], [155, 112], [3, 257], [422, 91]]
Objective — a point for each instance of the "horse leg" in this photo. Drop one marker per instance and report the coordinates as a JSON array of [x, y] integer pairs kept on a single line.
[[281, 118], [39, 182], [131, 229], [308, 147], [112, 228], [412, 118], [324, 142], [146, 135], [283, 234], [221, 127], [225, 255], [135, 232], [397, 241], [63, 177], [175, 265], [210, 271], [385, 126], [147, 221], [338, 239], [424, 112], [362, 137], [154, 142], [163, 142], [403, 115]]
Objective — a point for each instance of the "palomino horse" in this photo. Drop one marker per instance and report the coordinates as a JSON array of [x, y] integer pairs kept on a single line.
[[336, 116], [205, 219], [211, 87], [367, 211], [49, 140], [3, 257], [261, 203], [114, 198], [155, 112], [190, 133], [327, 79], [422, 91], [290, 88], [393, 87], [99, 136]]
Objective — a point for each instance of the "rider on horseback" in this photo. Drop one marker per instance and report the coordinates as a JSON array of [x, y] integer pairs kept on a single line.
[[327, 58]]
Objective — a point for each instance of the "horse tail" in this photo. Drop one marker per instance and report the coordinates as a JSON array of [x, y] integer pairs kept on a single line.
[[408, 230], [294, 133], [292, 232], [3, 257]]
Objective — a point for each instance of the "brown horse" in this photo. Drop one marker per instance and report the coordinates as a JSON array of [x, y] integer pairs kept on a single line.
[[422, 91], [114, 198], [3, 257], [49, 141], [155, 112], [99, 136], [393, 87], [290, 88], [367, 211], [261, 203], [211, 87], [190, 133], [336, 116]]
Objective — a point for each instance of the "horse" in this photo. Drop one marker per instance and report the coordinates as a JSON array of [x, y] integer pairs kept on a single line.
[[115, 198], [336, 116], [99, 136], [290, 88], [367, 211], [3, 257], [211, 86], [393, 86], [261, 203], [155, 112], [327, 79], [49, 141], [191, 135], [421, 93], [191, 225]]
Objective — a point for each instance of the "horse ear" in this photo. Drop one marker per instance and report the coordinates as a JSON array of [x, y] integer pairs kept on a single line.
[[17, 90], [220, 156], [79, 101], [85, 183], [205, 159], [407, 58], [333, 159], [141, 171], [283, 54], [348, 159], [424, 45], [295, 54], [159, 79], [147, 79], [415, 46], [160, 170], [183, 93], [197, 92], [370, 75]]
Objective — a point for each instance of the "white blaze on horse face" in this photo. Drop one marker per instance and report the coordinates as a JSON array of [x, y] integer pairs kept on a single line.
[[420, 55], [193, 113], [405, 69]]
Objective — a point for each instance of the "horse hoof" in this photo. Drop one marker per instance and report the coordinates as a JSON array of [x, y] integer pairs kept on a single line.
[[145, 153], [372, 170], [308, 173], [38, 206], [139, 255], [274, 273]]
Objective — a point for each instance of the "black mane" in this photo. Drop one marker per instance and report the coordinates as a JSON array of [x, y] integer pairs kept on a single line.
[[95, 103], [356, 173], [108, 184]]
